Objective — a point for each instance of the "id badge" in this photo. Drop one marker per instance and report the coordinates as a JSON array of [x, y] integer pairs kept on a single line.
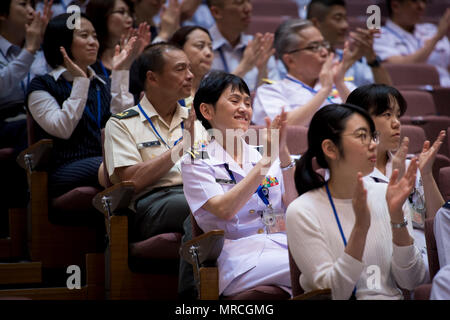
[[274, 220]]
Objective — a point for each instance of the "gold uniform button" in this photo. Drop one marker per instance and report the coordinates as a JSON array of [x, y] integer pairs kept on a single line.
[[251, 211], [260, 230]]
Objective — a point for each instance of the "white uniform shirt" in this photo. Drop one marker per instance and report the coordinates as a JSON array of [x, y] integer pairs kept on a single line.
[[227, 58], [395, 41], [288, 93], [245, 239]]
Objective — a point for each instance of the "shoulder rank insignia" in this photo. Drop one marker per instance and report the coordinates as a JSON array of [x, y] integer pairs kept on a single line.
[[195, 154], [126, 114], [268, 81]]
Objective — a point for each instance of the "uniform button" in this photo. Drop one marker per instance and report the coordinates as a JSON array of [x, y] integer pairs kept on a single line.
[[260, 230], [251, 211]]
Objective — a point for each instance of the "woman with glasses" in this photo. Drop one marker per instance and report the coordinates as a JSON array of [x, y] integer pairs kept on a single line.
[[113, 23], [386, 105], [345, 234], [313, 78]]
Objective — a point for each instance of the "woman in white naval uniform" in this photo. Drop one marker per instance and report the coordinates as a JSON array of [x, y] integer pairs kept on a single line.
[[220, 181]]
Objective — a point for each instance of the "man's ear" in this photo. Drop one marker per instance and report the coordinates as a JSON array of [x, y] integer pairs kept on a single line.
[[216, 12], [315, 22], [287, 59], [151, 78], [207, 110], [330, 150]]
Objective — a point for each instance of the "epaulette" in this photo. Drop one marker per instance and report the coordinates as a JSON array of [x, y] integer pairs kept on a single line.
[[198, 154], [126, 114], [349, 78], [267, 81]]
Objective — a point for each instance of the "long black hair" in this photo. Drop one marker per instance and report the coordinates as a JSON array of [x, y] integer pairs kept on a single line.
[[327, 123]]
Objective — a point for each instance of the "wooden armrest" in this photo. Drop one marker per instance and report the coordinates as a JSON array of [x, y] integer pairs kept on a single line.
[[118, 197], [36, 155], [208, 247], [323, 294]]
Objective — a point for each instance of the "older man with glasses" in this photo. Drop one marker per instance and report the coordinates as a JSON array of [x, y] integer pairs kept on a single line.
[[404, 40], [313, 78]]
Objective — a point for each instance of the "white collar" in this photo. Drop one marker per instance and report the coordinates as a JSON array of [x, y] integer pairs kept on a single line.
[[60, 70]]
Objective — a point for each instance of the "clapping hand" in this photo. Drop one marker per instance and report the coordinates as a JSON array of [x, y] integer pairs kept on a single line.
[[71, 66], [124, 55], [398, 190], [359, 203], [398, 161], [428, 154], [34, 32]]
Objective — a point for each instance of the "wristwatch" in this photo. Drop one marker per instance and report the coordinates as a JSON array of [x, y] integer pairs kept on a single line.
[[400, 225], [375, 63]]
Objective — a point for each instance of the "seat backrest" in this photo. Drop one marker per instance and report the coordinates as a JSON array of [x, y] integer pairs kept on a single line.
[[295, 276], [297, 139], [420, 103], [416, 137], [106, 180], [412, 73], [433, 258], [444, 182]]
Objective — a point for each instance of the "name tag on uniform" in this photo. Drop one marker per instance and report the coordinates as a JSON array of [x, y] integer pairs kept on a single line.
[[147, 144], [225, 181]]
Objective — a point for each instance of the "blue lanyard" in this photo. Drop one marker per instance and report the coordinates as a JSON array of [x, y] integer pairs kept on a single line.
[[337, 220], [259, 191], [306, 87], [156, 131], [224, 61], [104, 69], [22, 85], [99, 107], [402, 39]]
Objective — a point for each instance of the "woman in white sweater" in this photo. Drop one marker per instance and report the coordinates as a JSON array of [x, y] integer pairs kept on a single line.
[[344, 234]]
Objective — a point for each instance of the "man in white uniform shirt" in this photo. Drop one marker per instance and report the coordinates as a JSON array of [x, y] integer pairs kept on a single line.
[[404, 40], [313, 79], [236, 52]]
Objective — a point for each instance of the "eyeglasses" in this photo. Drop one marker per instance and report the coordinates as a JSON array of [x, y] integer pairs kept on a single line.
[[366, 138], [314, 47], [122, 12]]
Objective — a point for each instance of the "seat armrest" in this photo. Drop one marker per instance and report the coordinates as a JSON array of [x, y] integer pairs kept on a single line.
[[207, 247], [116, 197], [36, 156], [323, 294]]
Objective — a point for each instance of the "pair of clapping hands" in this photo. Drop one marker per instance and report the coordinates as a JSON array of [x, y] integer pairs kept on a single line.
[[130, 47], [401, 183]]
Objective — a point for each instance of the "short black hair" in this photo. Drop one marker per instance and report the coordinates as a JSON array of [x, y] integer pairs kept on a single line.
[[180, 37], [319, 8], [375, 98], [57, 34], [389, 6], [211, 88], [98, 11], [5, 5], [152, 59]]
